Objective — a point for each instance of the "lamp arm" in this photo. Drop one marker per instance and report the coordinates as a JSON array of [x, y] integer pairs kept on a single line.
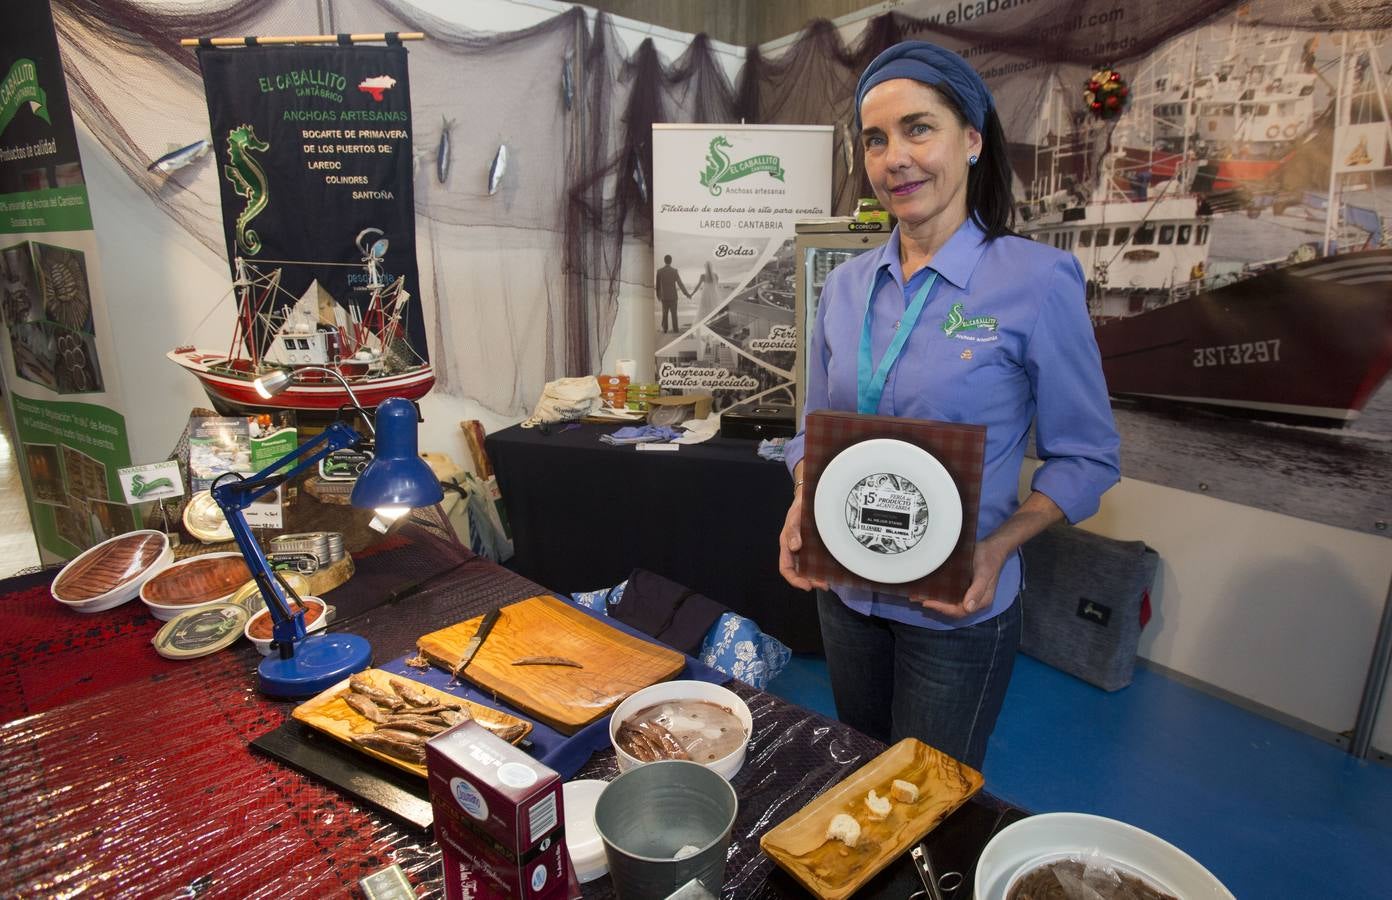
[[236, 494], [348, 388]]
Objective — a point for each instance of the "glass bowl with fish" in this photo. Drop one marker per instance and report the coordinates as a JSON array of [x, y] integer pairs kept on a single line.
[[112, 572], [260, 626], [1015, 861], [194, 581], [693, 720]]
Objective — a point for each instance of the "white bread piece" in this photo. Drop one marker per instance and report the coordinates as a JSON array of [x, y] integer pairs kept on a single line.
[[878, 806], [904, 791], [845, 829]]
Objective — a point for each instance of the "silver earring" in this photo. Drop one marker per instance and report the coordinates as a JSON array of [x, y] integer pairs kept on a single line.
[[971, 160]]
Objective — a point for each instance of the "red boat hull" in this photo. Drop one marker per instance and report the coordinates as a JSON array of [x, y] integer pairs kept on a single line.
[[1311, 341], [231, 390]]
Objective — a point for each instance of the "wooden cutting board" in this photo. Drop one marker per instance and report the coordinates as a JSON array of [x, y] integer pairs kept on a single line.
[[327, 712], [830, 869], [612, 664]]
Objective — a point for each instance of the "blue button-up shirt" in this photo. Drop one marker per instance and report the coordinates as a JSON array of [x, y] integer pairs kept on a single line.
[[1040, 363]]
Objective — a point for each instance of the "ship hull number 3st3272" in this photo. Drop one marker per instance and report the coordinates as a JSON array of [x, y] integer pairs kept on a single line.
[[1238, 354]]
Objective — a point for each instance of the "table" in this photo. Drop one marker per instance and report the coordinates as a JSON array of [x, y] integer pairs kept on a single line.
[[584, 514], [141, 777]]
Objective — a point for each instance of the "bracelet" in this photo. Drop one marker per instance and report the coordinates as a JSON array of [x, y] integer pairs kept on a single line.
[[797, 484]]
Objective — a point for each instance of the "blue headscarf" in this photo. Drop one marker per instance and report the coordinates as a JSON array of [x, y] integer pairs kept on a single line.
[[930, 64]]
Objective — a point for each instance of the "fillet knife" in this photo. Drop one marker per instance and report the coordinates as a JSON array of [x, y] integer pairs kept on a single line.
[[476, 641]]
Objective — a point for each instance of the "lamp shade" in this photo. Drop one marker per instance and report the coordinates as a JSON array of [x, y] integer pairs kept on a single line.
[[397, 476], [272, 383]]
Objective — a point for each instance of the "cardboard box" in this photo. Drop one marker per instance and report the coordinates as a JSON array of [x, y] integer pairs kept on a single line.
[[498, 818], [700, 402]]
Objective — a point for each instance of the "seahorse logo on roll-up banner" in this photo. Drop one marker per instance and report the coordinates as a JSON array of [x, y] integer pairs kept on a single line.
[[720, 170]]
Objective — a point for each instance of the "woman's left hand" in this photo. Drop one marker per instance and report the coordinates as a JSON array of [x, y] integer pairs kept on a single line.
[[987, 561]]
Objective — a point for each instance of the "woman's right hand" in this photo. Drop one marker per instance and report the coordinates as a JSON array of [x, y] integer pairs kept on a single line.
[[790, 544]]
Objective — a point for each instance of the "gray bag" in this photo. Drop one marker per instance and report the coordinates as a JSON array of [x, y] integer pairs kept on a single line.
[[1081, 603]]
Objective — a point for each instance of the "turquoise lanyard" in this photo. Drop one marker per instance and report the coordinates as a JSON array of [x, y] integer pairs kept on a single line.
[[869, 387]]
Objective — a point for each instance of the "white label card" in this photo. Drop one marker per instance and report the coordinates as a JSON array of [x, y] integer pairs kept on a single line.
[[267, 511], [152, 481]]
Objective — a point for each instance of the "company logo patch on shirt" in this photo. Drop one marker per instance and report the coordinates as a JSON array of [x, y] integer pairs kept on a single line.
[[957, 322], [967, 354]]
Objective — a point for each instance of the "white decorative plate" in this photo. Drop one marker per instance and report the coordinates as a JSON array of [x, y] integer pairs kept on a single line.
[[888, 511]]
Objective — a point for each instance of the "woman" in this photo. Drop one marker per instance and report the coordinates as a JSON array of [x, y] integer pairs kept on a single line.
[[997, 335], [709, 289]]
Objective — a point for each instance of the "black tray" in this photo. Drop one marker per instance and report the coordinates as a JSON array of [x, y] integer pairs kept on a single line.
[[400, 795]]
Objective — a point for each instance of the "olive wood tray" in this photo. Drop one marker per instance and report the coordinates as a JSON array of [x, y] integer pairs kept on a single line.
[[830, 869]]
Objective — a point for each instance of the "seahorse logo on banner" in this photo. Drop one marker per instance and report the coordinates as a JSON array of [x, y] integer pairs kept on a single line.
[[719, 170], [21, 86], [248, 182]]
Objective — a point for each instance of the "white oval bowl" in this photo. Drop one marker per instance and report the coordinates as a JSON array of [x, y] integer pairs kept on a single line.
[[727, 765], [165, 613], [263, 646], [1039, 840], [127, 590]]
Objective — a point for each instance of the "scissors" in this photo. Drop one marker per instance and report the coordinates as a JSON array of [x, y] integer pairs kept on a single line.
[[935, 886]]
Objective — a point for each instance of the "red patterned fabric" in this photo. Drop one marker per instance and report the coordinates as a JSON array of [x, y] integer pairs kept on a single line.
[[960, 449], [50, 655]]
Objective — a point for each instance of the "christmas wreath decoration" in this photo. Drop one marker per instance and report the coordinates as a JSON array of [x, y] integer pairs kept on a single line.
[[1106, 94]]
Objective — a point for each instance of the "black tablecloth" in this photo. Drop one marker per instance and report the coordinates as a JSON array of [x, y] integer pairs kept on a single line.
[[584, 514]]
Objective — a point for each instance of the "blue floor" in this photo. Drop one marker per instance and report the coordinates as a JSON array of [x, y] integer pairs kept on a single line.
[[1272, 812]]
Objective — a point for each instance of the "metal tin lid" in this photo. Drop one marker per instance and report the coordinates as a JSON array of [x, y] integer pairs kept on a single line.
[[582, 837], [249, 594], [204, 519], [201, 631]]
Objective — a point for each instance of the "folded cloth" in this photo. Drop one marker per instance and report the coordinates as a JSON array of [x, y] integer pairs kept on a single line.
[[641, 434], [670, 612], [773, 448], [734, 645], [737, 647]]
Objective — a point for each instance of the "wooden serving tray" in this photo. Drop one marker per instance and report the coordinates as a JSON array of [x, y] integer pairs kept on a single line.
[[830, 869], [613, 664], [328, 713]]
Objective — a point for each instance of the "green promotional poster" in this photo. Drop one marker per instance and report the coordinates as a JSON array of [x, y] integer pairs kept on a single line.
[[66, 422]]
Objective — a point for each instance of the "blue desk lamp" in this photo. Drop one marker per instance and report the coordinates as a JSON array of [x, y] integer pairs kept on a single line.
[[396, 481]]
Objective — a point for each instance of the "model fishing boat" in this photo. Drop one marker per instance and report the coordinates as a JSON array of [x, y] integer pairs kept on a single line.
[[364, 341]]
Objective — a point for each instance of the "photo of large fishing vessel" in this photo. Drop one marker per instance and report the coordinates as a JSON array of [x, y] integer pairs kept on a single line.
[[1305, 336], [1233, 228]]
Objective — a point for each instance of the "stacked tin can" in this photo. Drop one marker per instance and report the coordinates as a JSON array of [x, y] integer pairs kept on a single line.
[[613, 390], [640, 394]]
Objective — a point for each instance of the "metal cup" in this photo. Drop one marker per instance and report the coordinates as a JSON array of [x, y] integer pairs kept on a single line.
[[648, 815]]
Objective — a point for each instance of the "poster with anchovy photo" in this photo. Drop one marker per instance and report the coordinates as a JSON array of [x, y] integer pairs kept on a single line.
[[314, 149], [725, 203]]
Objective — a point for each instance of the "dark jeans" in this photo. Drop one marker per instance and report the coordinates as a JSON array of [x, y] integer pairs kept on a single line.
[[670, 307], [893, 681]]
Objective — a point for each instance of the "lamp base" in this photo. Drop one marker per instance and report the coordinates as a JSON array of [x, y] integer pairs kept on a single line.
[[320, 662]]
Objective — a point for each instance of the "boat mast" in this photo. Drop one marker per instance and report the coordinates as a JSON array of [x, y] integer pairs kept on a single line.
[[1341, 120]]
